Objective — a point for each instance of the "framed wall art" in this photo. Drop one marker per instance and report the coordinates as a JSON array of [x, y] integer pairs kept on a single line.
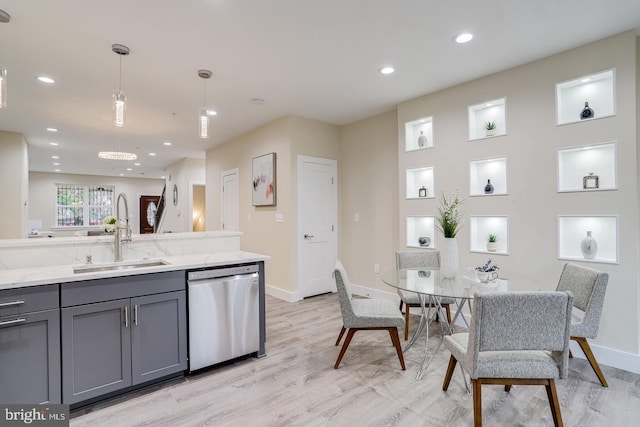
[[264, 180]]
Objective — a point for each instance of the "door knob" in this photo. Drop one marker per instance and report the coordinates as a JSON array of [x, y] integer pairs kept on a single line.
[[308, 236]]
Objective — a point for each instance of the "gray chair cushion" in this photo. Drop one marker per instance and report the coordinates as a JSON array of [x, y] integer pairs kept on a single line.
[[515, 335], [418, 259], [588, 287], [364, 313]]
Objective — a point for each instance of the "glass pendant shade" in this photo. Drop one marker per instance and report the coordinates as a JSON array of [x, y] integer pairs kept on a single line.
[[119, 106], [204, 123], [3, 87]]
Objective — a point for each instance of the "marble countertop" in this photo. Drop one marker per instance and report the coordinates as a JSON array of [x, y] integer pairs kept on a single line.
[[24, 277]]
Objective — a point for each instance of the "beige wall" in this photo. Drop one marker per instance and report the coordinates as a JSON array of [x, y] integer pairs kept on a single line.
[[178, 218], [530, 146], [14, 170], [287, 137], [42, 194], [368, 180]]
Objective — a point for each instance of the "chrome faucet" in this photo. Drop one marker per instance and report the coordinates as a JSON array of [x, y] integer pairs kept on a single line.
[[118, 236]]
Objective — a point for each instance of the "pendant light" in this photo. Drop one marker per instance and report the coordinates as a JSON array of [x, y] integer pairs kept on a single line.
[[203, 119], [119, 100], [3, 87]]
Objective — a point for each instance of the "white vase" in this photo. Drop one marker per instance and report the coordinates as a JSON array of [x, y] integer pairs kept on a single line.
[[492, 246], [589, 246], [449, 258]]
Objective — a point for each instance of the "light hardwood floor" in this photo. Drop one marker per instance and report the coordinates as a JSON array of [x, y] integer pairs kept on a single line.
[[296, 385]]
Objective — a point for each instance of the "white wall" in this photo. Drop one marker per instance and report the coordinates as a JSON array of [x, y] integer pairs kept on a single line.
[[181, 173], [531, 144], [42, 195], [14, 169]]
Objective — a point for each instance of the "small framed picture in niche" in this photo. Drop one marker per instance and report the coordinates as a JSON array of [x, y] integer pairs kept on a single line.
[[264, 180]]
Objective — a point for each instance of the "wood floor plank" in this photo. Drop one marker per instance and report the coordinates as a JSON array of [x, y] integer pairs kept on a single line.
[[296, 385]]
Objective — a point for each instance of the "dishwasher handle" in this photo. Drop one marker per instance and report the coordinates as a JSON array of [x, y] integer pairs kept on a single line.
[[216, 273]]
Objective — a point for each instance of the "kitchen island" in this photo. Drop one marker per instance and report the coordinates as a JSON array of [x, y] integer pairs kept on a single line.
[[78, 333]]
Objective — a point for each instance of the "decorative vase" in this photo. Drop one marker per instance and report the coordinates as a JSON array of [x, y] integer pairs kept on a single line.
[[424, 241], [422, 140], [587, 112], [422, 192], [488, 189], [449, 258], [490, 132], [589, 246], [492, 246], [590, 181]]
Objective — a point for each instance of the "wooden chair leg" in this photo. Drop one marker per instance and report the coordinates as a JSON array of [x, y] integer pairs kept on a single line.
[[400, 308], [507, 388], [347, 341], [395, 339], [477, 402], [341, 334], [586, 348], [406, 324], [446, 307], [553, 403], [449, 374]]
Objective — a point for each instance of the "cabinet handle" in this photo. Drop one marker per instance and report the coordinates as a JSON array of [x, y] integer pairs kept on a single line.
[[135, 314], [9, 304], [126, 316], [11, 322]]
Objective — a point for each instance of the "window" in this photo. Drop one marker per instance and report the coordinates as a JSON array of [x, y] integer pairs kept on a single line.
[[82, 206]]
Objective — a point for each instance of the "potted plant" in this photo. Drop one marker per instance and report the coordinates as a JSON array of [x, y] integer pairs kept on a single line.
[[487, 271], [491, 243], [490, 128], [449, 222]]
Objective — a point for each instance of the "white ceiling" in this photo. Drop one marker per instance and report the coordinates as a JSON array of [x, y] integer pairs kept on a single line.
[[316, 59]]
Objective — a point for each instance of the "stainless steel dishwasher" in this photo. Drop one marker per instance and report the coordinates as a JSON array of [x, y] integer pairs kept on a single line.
[[224, 314]]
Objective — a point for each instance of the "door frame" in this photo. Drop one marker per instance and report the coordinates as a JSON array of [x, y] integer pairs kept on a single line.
[[298, 295], [191, 184], [236, 172]]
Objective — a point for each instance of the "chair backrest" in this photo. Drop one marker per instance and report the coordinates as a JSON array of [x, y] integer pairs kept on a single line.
[[512, 321], [344, 292], [417, 259], [588, 287]]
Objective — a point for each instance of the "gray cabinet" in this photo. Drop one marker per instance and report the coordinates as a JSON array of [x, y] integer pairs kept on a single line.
[[138, 336], [30, 346]]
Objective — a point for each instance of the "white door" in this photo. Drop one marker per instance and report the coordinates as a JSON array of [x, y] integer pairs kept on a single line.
[[230, 204], [317, 224]]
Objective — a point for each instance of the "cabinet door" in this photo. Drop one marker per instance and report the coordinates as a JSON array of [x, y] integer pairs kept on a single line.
[[159, 336], [96, 350], [30, 358]]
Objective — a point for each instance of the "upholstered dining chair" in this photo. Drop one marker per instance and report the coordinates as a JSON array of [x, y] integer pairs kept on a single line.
[[509, 343], [417, 259], [588, 287], [365, 314]]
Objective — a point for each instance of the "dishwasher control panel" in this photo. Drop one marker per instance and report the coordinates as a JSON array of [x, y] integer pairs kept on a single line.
[[222, 272]]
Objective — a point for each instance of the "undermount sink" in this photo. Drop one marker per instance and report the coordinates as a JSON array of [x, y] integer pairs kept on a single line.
[[91, 268]]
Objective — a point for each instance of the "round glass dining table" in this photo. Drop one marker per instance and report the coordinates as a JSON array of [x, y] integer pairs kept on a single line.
[[432, 289]]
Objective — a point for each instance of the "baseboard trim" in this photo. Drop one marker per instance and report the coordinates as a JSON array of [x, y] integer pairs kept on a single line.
[[280, 293]]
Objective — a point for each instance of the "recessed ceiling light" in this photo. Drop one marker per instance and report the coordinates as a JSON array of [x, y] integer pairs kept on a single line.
[[585, 80], [55, 157], [386, 70], [136, 164], [121, 174], [129, 169], [257, 101], [45, 79], [56, 170], [53, 143], [56, 164], [463, 38], [214, 113], [489, 105], [167, 143], [152, 154], [52, 130]]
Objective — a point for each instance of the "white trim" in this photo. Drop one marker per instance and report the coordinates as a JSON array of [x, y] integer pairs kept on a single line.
[[610, 357], [280, 293]]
